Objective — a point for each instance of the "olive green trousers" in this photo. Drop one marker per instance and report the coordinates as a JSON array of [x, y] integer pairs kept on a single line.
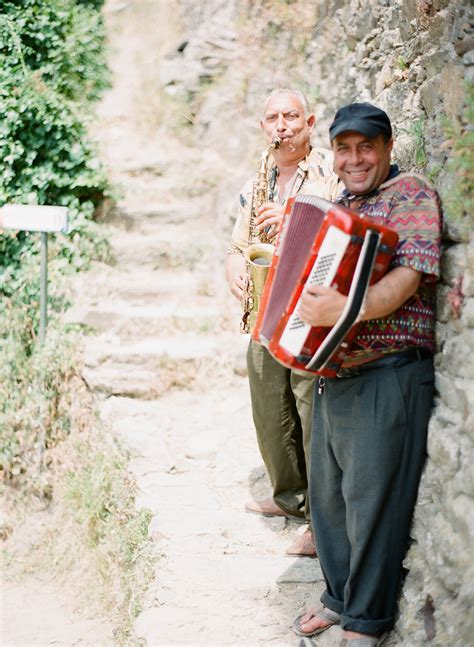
[[282, 402]]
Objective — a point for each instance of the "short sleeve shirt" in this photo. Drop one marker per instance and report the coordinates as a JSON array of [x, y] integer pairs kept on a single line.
[[315, 176], [407, 204]]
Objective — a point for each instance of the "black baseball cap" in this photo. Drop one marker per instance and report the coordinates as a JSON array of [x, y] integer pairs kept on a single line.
[[362, 118]]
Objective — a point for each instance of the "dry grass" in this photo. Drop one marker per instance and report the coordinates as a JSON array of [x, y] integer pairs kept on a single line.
[[73, 514]]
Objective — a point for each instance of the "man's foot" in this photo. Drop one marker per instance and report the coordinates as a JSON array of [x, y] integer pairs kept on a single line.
[[315, 622], [268, 508], [303, 546], [265, 507]]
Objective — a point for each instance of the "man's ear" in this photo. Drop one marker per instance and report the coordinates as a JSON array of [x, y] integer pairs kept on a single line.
[[261, 125], [311, 120], [390, 144]]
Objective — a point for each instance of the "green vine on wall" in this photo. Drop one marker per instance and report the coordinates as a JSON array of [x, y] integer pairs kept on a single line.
[[458, 198], [416, 133]]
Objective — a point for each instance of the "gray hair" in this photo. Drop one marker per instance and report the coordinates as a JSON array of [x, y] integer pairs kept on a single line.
[[296, 93]]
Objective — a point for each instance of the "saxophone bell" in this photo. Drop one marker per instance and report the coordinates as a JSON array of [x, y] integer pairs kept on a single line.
[[258, 258]]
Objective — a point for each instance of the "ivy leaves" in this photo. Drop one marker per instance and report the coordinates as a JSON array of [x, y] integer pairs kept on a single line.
[[52, 68]]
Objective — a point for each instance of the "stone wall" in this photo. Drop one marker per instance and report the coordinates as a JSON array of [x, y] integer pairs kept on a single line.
[[414, 58]]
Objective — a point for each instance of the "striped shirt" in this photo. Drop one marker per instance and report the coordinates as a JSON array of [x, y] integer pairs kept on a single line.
[[407, 204]]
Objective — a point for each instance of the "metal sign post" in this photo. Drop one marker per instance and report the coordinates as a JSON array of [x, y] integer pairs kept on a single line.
[[43, 219], [43, 287]]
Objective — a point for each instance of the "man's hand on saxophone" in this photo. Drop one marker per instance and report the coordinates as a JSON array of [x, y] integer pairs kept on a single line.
[[236, 274], [269, 218]]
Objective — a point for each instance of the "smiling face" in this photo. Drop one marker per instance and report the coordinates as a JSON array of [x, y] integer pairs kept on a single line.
[[361, 162], [285, 117]]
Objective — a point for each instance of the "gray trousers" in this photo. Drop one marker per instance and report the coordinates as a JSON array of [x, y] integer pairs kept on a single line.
[[282, 414], [367, 453]]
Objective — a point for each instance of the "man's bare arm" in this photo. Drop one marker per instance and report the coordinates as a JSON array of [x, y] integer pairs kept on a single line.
[[390, 292], [322, 306]]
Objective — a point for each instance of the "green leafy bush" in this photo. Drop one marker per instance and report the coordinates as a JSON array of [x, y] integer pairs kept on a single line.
[[60, 42], [52, 67], [97, 4]]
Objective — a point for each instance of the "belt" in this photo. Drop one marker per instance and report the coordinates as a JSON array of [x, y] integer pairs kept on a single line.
[[394, 360]]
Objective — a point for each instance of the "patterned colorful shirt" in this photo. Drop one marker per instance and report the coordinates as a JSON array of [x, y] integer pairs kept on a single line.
[[407, 204], [315, 176]]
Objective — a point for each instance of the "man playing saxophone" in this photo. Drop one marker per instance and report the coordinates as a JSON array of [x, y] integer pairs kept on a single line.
[[281, 398]]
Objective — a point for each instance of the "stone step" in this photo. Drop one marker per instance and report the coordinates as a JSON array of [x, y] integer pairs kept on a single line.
[[149, 201], [127, 380], [139, 285], [136, 321], [162, 249], [133, 212], [150, 367], [163, 233], [118, 380], [149, 352]]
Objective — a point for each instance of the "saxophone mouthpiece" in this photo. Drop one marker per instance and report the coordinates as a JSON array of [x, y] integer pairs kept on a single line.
[[276, 143]]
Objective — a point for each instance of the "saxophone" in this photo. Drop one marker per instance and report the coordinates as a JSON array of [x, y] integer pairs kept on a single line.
[[259, 252]]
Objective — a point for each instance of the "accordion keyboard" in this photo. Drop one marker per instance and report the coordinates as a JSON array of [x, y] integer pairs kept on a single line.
[[323, 272]]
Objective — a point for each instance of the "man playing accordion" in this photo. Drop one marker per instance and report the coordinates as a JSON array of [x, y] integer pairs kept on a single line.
[[370, 422]]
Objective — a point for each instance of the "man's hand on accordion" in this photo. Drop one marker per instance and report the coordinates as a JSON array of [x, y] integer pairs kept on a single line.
[[321, 306], [269, 218]]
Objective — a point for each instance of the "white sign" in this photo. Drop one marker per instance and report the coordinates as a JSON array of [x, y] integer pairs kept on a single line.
[[34, 218]]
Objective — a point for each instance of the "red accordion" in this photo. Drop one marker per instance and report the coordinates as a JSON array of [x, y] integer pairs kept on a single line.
[[320, 243]]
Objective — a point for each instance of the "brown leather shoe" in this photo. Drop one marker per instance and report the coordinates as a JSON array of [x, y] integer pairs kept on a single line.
[[303, 546], [265, 507]]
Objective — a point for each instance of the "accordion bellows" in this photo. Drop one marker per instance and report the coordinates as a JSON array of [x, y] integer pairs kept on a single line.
[[320, 243]]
